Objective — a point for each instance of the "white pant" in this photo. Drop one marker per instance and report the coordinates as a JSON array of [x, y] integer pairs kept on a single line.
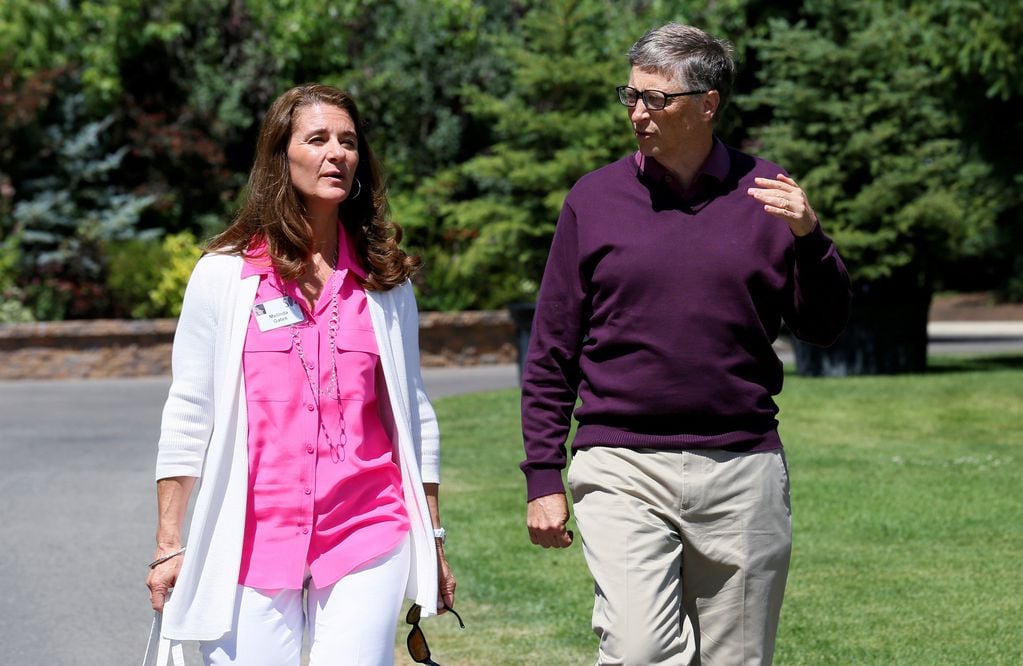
[[351, 622]]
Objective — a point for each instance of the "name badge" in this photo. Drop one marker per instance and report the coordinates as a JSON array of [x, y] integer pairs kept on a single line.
[[279, 312]]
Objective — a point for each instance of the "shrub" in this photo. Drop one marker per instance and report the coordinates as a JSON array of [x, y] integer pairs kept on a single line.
[[180, 252], [12, 309], [65, 213], [134, 266]]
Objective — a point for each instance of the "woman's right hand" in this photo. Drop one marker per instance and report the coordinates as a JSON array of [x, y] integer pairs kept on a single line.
[[162, 577], [171, 500]]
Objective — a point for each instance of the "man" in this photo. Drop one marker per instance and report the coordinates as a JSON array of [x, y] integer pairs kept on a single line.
[[670, 273]]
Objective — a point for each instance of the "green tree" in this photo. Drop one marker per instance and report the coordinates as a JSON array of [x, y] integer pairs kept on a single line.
[[37, 36], [975, 45], [484, 225], [194, 86], [411, 72], [865, 118], [70, 204], [485, 112]]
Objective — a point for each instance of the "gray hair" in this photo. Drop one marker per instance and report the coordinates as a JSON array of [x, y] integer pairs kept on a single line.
[[689, 56]]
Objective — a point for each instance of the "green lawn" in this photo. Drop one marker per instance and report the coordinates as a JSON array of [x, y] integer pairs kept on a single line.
[[907, 500]]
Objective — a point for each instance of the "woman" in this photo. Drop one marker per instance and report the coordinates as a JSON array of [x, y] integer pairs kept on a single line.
[[298, 399]]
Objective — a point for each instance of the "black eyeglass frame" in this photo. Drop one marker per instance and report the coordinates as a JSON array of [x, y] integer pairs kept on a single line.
[[643, 95], [416, 609]]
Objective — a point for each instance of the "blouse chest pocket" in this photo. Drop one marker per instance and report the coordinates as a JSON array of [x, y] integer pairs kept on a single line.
[[267, 362], [357, 360]]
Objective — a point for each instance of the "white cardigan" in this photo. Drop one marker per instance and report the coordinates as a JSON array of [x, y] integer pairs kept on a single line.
[[204, 434]]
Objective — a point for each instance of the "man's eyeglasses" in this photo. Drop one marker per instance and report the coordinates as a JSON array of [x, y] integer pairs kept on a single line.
[[416, 641], [655, 100]]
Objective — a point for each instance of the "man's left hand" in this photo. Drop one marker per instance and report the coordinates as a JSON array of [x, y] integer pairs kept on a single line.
[[783, 199]]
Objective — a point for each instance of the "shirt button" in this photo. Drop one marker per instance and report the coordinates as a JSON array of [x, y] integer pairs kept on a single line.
[[310, 407], [305, 530], [309, 449], [308, 491]]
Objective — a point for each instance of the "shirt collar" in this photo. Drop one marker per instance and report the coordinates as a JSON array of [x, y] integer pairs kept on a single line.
[[346, 253], [716, 166], [257, 260]]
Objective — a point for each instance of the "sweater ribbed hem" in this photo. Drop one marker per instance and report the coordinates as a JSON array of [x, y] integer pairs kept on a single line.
[[737, 440], [547, 480]]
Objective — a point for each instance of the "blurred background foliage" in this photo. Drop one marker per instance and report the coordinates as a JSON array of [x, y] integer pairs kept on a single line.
[[127, 130]]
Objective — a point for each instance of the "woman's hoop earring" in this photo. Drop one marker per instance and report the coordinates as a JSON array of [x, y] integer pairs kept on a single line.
[[358, 189]]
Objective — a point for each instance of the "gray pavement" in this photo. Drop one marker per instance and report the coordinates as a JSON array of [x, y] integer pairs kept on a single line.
[[76, 521], [77, 516]]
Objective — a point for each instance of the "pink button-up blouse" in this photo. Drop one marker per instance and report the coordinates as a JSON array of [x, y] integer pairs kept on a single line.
[[324, 485]]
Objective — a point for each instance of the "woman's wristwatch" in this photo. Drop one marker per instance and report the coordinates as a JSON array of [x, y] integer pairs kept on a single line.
[[440, 534]]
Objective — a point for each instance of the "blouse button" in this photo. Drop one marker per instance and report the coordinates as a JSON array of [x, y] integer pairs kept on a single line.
[[309, 449], [308, 491], [305, 530], [310, 407]]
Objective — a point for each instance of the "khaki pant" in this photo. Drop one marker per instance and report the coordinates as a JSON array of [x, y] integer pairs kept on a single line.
[[689, 552]]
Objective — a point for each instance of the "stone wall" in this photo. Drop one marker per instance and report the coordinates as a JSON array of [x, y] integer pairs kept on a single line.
[[120, 348], [466, 338]]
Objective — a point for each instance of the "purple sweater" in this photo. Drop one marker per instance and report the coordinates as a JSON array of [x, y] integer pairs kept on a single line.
[[658, 309]]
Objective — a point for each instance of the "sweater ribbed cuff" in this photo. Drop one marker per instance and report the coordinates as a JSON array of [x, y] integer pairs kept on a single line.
[[813, 245], [541, 482]]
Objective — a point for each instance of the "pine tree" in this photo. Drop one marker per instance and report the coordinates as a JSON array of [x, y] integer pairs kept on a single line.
[[485, 225], [862, 117]]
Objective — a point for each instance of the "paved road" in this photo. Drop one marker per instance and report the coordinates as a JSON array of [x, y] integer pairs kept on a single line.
[[77, 513], [77, 510]]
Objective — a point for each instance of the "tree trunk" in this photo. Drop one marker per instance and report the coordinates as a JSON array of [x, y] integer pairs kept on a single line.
[[886, 335], [522, 316]]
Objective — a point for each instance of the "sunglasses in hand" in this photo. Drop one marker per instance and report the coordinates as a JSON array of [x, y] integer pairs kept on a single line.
[[416, 641]]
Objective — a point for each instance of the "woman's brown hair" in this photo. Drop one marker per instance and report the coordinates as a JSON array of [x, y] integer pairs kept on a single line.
[[272, 210]]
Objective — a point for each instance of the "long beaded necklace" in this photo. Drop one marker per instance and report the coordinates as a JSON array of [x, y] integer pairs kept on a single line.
[[337, 451]]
